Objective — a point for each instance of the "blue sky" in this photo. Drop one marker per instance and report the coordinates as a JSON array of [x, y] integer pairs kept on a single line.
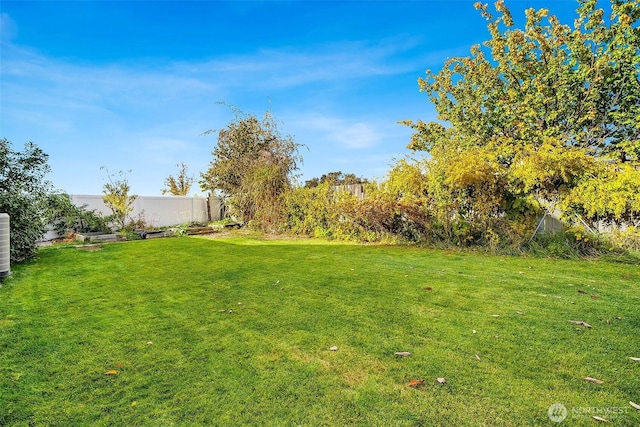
[[133, 85]]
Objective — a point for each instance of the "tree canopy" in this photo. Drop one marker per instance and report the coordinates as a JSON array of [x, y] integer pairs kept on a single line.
[[252, 167], [335, 178], [548, 110]]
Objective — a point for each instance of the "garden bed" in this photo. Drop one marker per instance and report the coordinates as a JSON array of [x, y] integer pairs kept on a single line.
[[146, 234]]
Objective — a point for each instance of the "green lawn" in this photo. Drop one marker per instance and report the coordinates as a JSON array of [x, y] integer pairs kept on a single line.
[[238, 331]]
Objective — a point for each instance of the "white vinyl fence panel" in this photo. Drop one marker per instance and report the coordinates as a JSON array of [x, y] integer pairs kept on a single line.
[[156, 211]]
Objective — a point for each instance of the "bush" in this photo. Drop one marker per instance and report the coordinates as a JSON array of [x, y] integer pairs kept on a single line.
[[66, 217], [309, 211], [23, 195], [117, 198], [627, 239]]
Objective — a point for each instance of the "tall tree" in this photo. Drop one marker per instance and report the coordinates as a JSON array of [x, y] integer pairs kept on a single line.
[[180, 185], [252, 167], [544, 104]]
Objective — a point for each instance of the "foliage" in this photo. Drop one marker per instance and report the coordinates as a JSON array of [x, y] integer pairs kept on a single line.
[[66, 217], [627, 238], [547, 81], [180, 185], [181, 230], [374, 218], [542, 116], [23, 195], [186, 353], [335, 178], [410, 205], [326, 211], [139, 223], [252, 167], [611, 194], [310, 210], [117, 197]]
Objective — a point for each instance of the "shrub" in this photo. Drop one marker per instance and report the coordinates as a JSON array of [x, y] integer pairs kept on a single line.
[[23, 193], [117, 197], [66, 217]]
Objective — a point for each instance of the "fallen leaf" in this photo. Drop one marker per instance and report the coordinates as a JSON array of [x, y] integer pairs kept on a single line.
[[542, 295], [111, 372], [428, 288], [495, 315], [402, 353], [520, 313], [416, 383], [594, 297], [119, 365], [636, 359], [581, 323], [334, 348], [222, 311], [474, 331], [134, 403], [580, 291], [441, 380], [634, 405], [593, 380], [478, 357], [520, 272], [597, 418], [149, 342], [619, 318]]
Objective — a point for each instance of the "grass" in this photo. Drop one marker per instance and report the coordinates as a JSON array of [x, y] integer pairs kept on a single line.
[[238, 332]]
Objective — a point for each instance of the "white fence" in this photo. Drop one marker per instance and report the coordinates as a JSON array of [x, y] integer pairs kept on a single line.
[[155, 211]]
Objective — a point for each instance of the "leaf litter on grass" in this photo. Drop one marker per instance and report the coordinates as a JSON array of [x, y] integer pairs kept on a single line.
[[581, 323], [416, 383]]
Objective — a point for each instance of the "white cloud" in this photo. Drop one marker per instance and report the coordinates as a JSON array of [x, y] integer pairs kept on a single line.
[[343, 132], [357, 135], [296, 66]]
